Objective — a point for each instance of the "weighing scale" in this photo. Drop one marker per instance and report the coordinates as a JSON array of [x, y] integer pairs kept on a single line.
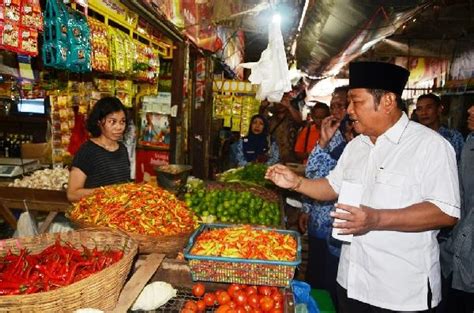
[[12, 167]]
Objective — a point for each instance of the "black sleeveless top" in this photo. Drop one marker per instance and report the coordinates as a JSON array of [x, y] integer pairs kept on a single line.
[[102, 167]]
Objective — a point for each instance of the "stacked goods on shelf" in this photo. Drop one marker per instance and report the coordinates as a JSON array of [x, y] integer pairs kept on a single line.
[[72, 270], [243, 254], [62, 122], [20, 23], [148, 214]]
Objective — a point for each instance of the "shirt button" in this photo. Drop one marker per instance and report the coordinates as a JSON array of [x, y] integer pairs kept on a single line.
[[464, 235]]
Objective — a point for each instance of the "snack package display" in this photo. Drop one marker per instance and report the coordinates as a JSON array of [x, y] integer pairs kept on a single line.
[[66, 38], [10, 35], [11, 11], [100, 45], [31, 14], [29, 41], [79, 59]]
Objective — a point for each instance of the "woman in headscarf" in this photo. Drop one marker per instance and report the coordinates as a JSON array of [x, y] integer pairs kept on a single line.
[[257, 146]]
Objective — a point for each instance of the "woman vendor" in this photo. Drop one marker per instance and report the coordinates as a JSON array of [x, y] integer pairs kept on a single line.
[[103, 159], [257, 146]]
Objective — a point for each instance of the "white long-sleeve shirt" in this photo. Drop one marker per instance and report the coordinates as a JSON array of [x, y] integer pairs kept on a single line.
[[408, 164]]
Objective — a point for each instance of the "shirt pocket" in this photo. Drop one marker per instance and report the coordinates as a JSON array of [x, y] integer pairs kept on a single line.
[[388, 190]]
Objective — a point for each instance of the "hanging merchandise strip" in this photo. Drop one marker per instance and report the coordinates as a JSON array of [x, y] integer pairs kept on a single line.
[[234, 101], [66, 38]]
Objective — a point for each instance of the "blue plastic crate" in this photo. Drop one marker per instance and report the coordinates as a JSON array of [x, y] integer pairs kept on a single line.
[[238, 270]]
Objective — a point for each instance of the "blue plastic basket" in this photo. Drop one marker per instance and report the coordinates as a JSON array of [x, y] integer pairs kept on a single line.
[[241, 271]]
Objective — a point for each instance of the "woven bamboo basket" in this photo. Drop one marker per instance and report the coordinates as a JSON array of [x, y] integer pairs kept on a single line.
[[170, 245], [100, 290]]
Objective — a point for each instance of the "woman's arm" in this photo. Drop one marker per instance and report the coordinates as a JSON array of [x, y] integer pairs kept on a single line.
[[75, 188]]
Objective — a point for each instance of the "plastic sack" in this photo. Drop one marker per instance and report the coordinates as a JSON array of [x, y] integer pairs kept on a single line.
[[26, 226], [304, 301], [271, 71]]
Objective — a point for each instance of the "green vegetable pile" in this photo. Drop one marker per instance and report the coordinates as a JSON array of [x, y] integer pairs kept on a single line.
[[251, 174]]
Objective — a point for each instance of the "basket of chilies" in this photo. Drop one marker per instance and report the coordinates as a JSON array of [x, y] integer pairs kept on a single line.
[[66, 271]]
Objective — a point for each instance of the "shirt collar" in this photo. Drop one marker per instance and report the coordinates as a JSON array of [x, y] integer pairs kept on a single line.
[[394, 133]]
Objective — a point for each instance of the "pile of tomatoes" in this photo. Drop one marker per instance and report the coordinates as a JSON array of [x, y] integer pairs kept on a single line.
[[236, 299]]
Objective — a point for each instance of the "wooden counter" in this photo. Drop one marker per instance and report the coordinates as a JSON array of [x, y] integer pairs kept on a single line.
[[51, 201]]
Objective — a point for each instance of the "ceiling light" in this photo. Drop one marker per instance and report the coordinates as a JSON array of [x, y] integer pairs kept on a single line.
[[276, 18]]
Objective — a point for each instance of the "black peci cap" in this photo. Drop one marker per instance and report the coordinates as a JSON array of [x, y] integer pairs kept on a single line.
[[378, 75]]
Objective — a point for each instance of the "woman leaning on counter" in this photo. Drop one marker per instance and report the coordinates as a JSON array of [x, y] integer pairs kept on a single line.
[[103, 159]]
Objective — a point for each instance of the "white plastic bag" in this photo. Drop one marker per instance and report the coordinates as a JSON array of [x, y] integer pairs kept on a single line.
[[271, 71], [153, 296], [26, 226]]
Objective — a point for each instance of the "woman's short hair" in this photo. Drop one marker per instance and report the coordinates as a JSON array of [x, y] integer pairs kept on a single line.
[[101, 109]]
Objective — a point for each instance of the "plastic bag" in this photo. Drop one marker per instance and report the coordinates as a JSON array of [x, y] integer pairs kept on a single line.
[[26, 226], [271, 71], [301, 291]]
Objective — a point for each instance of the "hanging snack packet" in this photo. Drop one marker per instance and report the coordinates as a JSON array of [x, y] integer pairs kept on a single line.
[[29, 41], [31, 14], [10, 37], [11, 11]]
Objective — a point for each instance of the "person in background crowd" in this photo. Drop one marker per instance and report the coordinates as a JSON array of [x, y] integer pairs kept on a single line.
[[413, 116], [103, 159], [409, 189], [257, 146], [457, 253], [309, 135], [284, 121], [324, 250], [428, 112], [130, 141]]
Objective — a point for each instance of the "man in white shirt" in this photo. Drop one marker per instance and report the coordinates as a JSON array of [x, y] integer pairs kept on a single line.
[[410, 190]]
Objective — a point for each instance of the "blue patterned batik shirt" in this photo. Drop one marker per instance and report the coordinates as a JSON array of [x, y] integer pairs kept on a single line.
[[455, 139], [320, 163]]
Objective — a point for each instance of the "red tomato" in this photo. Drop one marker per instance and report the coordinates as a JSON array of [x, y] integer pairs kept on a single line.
[[232, 304], [278, 305], [254, 301], [240, 297], [191, 305], [264, 290], [277, 296], [209, 298], [233, 288], [223, 298], [251, 290], [276, 310], [266, 303], [201, 305], [240, 309], [199, 289], [186, 310], [248, 308], [223, 309]]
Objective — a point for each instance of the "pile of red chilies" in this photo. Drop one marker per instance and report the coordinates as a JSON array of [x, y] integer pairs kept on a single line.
[[58, 265]]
